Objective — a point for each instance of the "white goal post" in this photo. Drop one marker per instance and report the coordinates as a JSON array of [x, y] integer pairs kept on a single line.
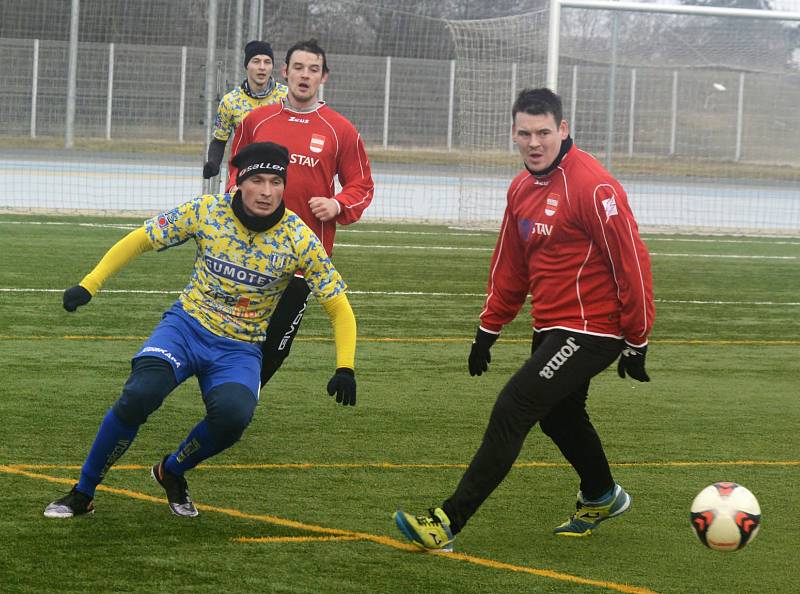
[[692, 108]]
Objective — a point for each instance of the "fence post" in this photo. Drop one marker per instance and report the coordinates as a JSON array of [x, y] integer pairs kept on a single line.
[[211, 71], [451, 105], [110, 96], [34, 86], [253, 32], [511, 146], [740, 117], [236, 53], [72, 76], [182, 100], [573, 104], [386, 94], [674, 127], [612, 91], [631, 114]]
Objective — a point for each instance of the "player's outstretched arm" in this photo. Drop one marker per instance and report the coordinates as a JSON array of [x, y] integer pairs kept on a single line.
[[343, 382], [126, 249]]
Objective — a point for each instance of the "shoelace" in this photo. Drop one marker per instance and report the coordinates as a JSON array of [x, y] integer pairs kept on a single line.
[[431, 518]]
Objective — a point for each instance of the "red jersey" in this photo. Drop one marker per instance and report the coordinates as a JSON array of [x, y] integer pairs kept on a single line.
[[570, 240], [322, 144]]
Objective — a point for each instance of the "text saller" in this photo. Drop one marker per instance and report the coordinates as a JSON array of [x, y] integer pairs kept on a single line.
[[273, 166]]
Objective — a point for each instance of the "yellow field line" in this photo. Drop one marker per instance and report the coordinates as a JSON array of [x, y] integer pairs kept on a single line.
[[418, 466], [282, 539], [351, 535], [429, 340]]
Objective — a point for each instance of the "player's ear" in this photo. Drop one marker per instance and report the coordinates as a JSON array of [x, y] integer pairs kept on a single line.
[[324, 78], [284, 71]]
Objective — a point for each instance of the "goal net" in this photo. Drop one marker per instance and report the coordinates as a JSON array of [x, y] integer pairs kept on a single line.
[[694, 114]]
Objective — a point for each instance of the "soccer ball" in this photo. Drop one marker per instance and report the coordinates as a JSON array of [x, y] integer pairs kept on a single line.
[[725, 516]]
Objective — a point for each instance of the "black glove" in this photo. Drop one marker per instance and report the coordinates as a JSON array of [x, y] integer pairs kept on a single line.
[[632, 361], [76, 296], [479, 356], [210, 169], [343, 384]]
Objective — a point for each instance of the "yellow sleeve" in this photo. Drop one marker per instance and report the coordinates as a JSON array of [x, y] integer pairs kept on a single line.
[[344, 330], [126, 249]]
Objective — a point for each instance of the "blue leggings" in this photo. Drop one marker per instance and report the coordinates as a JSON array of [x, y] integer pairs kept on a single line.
[[229, 410]]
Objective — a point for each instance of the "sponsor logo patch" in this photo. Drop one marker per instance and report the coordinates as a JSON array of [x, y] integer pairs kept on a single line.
[[610, 206], [266, 167], [298, 159], [167, 218], [164, 352], [562, 355], [238, 274]]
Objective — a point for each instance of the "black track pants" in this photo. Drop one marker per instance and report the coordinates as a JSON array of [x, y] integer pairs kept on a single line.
[[550, 388]]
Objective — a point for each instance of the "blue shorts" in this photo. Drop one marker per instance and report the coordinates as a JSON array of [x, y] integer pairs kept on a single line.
[[184, 343]]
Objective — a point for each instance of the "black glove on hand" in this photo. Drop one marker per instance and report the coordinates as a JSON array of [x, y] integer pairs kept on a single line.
[[632, 361], [479, 356], [76, 296], [343, 384], [210, 169]]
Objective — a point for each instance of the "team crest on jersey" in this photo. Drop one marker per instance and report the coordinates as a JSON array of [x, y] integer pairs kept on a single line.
[[552, 204], [167, 218], [316, 144]]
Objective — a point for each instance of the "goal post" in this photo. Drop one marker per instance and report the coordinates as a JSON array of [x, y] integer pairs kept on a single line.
[[690, 107]]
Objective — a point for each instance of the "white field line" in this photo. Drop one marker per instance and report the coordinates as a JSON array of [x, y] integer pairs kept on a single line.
[[479, 249], [777, 240], [408, 294]]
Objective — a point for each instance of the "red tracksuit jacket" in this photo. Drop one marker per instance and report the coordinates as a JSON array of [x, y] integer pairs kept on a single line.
[[570, 240], [322, 144]]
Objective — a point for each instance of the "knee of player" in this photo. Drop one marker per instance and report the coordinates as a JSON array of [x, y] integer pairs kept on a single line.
[[230, 409], [150, 381]]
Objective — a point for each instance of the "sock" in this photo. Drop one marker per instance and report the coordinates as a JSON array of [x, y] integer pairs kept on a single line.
[[112, 440], [197, 447], [604, 499]]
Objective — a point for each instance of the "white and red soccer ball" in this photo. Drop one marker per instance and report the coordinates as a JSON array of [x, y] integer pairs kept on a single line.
[[725, 516]]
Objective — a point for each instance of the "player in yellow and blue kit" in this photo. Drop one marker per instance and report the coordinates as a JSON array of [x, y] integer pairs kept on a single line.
[[248, 249], [259, 88]]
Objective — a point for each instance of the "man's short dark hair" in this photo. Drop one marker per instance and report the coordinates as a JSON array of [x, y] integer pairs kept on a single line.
[[311, 46], [538, 102]]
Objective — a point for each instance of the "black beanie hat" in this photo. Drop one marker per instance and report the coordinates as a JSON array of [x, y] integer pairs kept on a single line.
[[257, 48], [261, 157]]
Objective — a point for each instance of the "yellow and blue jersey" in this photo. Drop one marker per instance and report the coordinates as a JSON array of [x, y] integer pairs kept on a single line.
[[236, 104], [239, 274]]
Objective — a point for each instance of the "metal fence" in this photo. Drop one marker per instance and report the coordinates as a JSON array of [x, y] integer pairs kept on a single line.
[[439, 105], [132, 92]]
